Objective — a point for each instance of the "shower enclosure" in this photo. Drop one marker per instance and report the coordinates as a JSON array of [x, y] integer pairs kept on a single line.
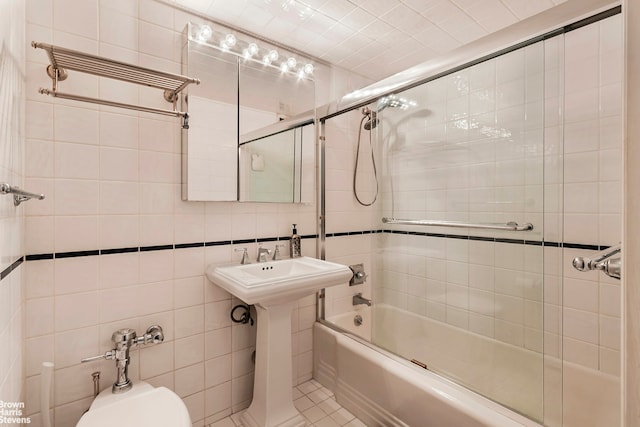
[[456, 257], [480, 209]]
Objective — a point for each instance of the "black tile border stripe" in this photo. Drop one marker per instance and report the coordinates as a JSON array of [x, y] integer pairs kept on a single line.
[[481, 239], [113, 251], [243, 241], [155, 248], [75, 254], [476, 238], [38, 257], [4, 273], [581, 246], [218, 243], [267, 239], [118, 251], [515, 241], [189, 245]]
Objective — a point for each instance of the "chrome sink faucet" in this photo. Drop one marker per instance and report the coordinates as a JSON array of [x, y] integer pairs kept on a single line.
[[124, 340], [262, 254]]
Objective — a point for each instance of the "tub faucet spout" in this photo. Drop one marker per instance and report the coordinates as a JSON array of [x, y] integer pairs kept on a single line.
[[358, 299]]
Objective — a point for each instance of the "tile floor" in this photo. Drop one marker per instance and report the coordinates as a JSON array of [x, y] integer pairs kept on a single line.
[[316, 403]]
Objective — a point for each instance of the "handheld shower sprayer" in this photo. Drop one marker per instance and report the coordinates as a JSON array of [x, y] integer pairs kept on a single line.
[[371, 122]]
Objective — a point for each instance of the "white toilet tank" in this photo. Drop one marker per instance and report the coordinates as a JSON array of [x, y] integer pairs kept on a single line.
[[143, 405]]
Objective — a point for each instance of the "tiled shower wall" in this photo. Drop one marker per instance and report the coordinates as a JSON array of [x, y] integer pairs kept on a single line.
[[471, 151], [12, 70], [592, 191], [112, 179], [495, 288], [346, 219]]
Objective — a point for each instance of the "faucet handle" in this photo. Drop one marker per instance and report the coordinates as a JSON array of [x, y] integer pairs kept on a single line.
[[276, 253], [245, 255]]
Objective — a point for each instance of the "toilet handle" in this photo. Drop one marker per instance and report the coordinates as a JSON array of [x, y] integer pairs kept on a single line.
[[108, 355]]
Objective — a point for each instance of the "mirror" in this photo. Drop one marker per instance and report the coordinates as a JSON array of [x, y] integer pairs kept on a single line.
[[245, 102], [277, 162], [210, 145]]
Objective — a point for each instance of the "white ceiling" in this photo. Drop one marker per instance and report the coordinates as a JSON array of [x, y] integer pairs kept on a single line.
[[375, 38]]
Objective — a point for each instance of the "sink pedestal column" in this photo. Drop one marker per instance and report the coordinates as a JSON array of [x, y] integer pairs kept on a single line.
[[272, 404]]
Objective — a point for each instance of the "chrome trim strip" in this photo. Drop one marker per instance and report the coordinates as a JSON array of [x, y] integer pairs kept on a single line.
[[322, 210], [297, 121]]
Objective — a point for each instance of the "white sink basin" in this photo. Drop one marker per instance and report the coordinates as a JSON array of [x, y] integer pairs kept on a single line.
[[278, 281]]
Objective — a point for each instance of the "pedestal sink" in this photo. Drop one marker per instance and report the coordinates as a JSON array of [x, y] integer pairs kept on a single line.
[[274, 288]]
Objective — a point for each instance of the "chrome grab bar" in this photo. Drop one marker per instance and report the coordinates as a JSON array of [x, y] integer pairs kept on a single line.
[[601, 261], [509, 226], [19, 196]]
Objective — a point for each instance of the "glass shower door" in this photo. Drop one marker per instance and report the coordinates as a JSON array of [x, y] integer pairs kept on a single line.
[[466, 302]]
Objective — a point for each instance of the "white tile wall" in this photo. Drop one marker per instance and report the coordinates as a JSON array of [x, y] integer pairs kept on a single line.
[[589, 159], [138, 203], [12, 147], [113, 180], [343, 212]]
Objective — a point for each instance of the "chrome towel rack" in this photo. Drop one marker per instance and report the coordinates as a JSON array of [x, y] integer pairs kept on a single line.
[[601, 261], [63, 59], [19, 195], [509, 226]]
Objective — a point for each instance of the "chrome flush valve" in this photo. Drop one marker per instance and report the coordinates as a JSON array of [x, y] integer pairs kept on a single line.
[[124, 340]]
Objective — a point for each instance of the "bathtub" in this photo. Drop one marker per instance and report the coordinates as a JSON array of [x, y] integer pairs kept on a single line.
[[385, 390]]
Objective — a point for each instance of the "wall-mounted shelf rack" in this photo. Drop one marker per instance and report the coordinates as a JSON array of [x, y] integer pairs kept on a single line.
[[63, 59]]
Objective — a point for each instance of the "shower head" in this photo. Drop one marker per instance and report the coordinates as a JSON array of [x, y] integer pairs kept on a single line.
[[395, 102], [387, 101]]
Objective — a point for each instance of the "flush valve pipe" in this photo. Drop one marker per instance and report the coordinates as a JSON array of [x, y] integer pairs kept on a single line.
[[124, 340]]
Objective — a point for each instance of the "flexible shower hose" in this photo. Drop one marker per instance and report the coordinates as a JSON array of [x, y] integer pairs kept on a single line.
[[373, 161]]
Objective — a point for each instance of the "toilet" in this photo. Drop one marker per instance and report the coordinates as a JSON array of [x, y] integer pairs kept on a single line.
[[143, 405]]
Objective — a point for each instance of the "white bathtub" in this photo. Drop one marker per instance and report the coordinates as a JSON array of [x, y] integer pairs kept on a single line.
[[383, 391], [347, 321]]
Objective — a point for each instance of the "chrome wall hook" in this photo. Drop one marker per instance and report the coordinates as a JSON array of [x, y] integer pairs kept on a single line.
[[19, 196], [601, 261]]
